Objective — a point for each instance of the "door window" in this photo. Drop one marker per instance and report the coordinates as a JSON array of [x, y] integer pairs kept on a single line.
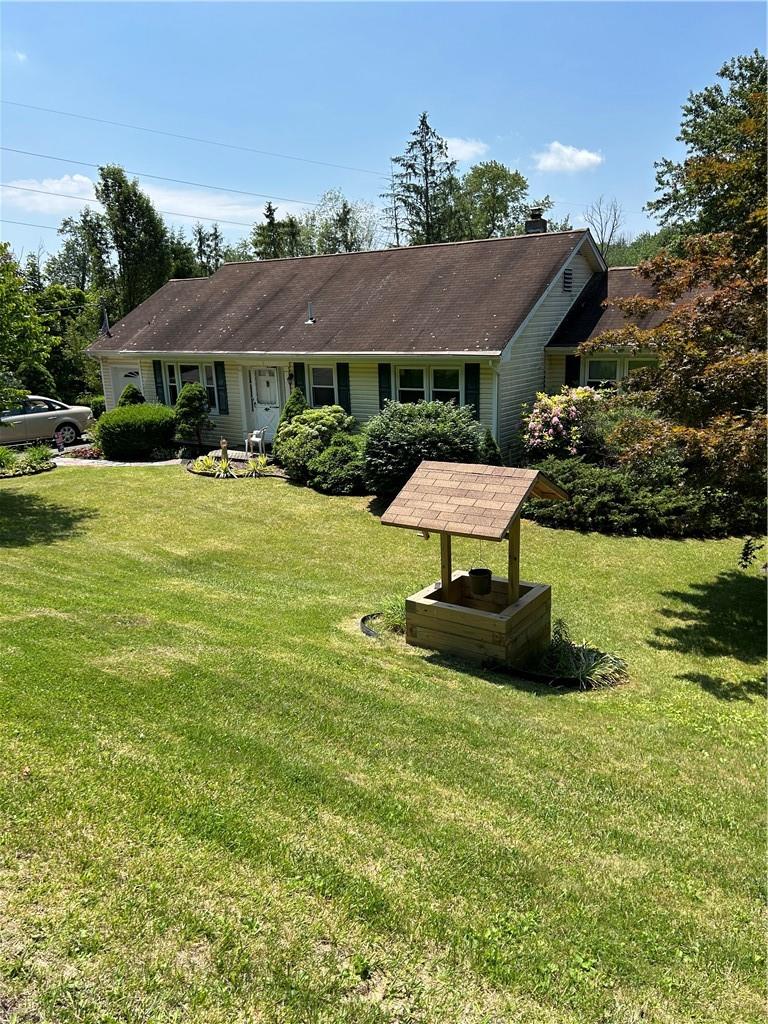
[[323, 388], [34, 405], [266, 387]]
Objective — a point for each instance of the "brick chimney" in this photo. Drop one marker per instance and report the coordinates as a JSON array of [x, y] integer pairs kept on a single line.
[[535, 225]]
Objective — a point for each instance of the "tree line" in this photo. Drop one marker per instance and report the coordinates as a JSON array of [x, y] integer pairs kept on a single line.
[[112, 259]]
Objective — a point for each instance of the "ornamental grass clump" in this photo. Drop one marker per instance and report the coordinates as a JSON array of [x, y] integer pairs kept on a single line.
[[593, 669], [559, 424]]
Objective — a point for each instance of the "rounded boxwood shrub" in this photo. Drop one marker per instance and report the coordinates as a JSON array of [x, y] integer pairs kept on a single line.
[[340, 468], [402, 436], [130, 396], [95, 402], [135, 431], [301, 440]]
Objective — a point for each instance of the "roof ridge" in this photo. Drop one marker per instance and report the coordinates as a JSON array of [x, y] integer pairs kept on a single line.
[[403, 248]]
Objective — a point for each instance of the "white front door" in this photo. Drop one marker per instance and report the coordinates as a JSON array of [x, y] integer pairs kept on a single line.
[[122, 376], [265, 399]]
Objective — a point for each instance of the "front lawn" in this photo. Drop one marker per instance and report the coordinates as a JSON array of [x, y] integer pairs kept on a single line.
[[221, 804]]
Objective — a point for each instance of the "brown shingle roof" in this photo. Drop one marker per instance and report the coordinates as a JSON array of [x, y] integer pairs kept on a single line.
[[462, 297], [588, 317], [469, 500]]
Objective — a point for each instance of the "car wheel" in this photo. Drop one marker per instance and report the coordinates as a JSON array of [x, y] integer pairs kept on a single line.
[[69, 433]]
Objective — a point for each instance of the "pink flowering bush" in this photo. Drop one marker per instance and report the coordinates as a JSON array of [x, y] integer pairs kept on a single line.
[[557, 424]]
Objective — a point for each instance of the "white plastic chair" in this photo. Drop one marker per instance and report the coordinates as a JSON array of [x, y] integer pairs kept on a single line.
[[256, 437]]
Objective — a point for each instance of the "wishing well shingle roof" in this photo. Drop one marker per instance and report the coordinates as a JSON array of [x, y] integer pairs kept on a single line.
[[462, 297], [468, 500]]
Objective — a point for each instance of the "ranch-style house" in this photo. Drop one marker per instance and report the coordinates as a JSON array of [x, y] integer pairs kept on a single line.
[[482, 323]]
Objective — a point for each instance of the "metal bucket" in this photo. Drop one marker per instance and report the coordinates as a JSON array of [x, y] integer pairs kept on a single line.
[[479, 582]]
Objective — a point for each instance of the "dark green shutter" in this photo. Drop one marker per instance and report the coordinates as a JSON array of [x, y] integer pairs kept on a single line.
[[472, 387], [157, 366], [221, 388], [300, 378], [385, 383], [342, 386]]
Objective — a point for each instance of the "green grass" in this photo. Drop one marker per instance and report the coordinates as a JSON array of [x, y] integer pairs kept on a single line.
[[221, 803]]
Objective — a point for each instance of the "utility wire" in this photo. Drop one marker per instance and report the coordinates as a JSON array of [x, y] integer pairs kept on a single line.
[[193, 138], [82, 199], [27, 224], [159, 177]]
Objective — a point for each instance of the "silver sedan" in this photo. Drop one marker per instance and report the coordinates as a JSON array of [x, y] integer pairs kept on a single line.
[[40, 419]]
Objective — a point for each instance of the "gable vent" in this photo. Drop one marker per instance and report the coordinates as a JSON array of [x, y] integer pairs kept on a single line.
[[568, 280]]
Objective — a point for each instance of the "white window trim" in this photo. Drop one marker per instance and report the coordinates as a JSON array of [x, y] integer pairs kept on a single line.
[[622, 364], [310, 387], [201, 370], [428, 370]]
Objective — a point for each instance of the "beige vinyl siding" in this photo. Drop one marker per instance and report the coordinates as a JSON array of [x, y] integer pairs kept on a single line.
[[554, 372], [232, 426], [523, 374], [364, 389], [106, 384]]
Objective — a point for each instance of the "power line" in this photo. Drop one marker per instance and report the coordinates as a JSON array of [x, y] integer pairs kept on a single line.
[[193, 138], [27, 224], [83, 199], [159, 177]]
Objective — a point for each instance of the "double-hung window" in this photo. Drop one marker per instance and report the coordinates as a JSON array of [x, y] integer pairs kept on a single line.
[[411, 386], [639, 364], [446, 385], [602, 372], [323, 386], [180, 374]]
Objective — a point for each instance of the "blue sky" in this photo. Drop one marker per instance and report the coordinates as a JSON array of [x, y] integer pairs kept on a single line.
[[581, 97]]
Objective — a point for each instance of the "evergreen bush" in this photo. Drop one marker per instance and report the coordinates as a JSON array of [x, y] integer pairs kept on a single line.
[[191, 413], [308, 434], [402, 436], [294, 406], [133, 432], [130, 396], [339, 469]]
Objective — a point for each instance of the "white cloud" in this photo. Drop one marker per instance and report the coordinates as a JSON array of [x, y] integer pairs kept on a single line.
[[466, 149], [20, 56], [557, 157], [55, 202], [193, 203]]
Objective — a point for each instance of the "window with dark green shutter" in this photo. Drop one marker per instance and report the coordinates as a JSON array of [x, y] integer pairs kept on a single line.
[[300, 377], [221, 388], [385, 383], [472, 387], [342, 386], [157, 368]]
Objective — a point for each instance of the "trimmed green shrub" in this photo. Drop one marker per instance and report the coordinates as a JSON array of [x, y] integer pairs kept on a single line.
[[191, 413], [490, 453], [402, 436], [130, 396], [95, 402], [340, 468], [611, 500], [295, 404], [308, 434], [135, 431]]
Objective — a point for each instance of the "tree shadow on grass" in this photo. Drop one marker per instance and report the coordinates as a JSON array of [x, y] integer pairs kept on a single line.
[[725, 617], [27, 519]]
